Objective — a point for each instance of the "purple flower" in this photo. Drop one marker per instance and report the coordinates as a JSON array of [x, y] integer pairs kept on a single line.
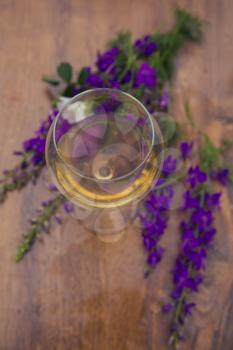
[[155, 257], [202, 218], [187, 231], [58, 219], [212, 200], [52, 187], [110, 105], [154, 220], [158, 201], [94, 81], [127, 77], [164, 101], [149, 242], [145, 46], [169, 165], [189, 245], [186, 149], [105, 60], [180, 272], [37, 146], [63, 127], [75, 91], [221, 175], [146, 75], [167, 307], [196, 176], [176, 293], [188, 308], [191, 201], [114, 84], [196, 235], [45, 125], [197, 258], [193, 283], [68, 206], [208, 236]]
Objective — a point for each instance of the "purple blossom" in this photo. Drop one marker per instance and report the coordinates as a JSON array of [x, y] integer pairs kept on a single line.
[[164, 101], [155, 257], [75, 91], [197, 232], [52, 187], [167, 307], [58, 219], [196, 176], [180, 272], [94, 81], [63, 127], [154, 223], [146, 75], [127, 77], [212, 200], [148, 242], [110, 105], [193, 283], [202, 218], [191, 201], [187, 230], [208, 236], [221, 175], [114, 84], [169, 165], [107, 59], [68, 206], [186, 149], [189, 245], [37, 146], [188, 308], [155, 218], [145, 46], [197, 258]]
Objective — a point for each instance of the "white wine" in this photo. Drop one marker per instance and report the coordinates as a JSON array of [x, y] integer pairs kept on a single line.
[[105, 163]]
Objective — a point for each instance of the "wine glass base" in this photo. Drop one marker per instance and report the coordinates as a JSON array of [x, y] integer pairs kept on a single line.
[[111, 238], [109, 225]]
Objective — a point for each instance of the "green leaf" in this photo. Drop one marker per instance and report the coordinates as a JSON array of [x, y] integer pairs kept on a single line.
[[82, 77], [123, 40], [68, 92], [187, 28], [191, 27], [50, 80], [138, 92], [121, 60], [209, 154], [64, 71]]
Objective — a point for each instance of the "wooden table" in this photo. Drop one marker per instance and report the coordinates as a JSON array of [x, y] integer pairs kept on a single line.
[[73, 292]]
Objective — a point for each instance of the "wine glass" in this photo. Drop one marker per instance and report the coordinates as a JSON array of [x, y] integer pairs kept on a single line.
[[104, 151]]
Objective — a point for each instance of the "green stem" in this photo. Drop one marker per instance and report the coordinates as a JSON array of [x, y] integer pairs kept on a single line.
[[37, 226]]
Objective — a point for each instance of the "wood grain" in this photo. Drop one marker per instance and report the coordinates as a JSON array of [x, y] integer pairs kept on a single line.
[[72, 291]]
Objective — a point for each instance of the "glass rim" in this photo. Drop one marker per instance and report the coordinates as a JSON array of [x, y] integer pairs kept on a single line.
[[153, 123]]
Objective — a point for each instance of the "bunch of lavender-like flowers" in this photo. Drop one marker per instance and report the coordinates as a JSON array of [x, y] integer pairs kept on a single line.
[[141, 68], [154, 215], [32, 160], [197, 230]]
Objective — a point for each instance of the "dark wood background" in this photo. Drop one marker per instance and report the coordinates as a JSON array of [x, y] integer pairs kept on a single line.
[[72, 291]]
